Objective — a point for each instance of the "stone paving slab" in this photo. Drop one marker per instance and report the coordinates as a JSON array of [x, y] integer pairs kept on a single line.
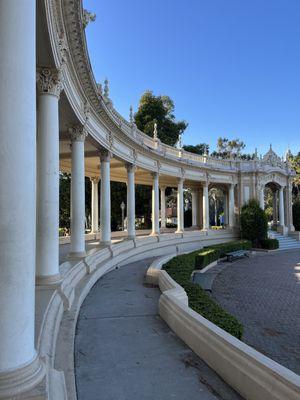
[[263, 292], [125, 351]]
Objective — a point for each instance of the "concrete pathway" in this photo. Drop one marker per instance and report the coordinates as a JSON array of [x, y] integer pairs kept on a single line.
[[263, 292], [124, 351]]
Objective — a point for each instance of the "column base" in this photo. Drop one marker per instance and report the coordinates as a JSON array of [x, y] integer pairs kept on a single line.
[[105, 243], [21, 380], [48, 280], [131, 237], [180, 231], [77, 254], [154, 234], [283, 230]]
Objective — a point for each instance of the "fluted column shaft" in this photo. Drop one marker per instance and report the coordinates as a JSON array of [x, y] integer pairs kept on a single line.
[[17, 196], [180, 205], [155, 205], [205, 207], [262, 197], [78, 135], [95, 205], [162, 206], [130, 201], [281, 207], [194, 208], [105, 201], [47, 241], [231, 206]]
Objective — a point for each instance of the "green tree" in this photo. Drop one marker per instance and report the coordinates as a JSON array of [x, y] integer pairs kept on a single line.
[[231, 149], [254, 223], [64, 200], [200, 148], [296, 215], [159, 109], [295, 164]]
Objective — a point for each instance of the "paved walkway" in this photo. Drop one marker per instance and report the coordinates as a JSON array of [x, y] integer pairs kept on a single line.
[[263, 292], [124, 351]]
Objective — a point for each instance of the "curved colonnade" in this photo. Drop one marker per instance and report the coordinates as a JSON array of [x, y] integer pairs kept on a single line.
[[55, 117]]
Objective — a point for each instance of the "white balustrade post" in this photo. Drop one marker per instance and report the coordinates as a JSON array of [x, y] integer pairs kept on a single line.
[[281, 207], [105, 202], [20, 368], [231, 221], [95, 204], [47, 240], [78, 135], [130, 201], [205, 207], [194, 208], [155, 205], [162, 206], [180, 209], [262, 197]]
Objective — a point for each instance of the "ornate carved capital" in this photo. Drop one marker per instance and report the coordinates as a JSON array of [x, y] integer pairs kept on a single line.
[[49, 81], [105, 155], [78, 133], [94, 179], [130, 167]]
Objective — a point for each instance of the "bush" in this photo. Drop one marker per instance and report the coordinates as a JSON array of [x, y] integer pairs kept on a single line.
[[213, 253], [269, 244], [180, 268], [296, 215], [254, 222]]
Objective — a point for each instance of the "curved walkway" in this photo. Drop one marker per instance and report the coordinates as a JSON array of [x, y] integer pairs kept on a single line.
[[124, 351], [263, 292]]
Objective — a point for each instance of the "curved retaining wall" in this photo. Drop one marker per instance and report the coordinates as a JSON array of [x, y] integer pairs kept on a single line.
[[60, 306], [249, 372]]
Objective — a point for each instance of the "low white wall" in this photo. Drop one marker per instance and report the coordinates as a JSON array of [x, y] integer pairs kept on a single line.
[[253, 375]]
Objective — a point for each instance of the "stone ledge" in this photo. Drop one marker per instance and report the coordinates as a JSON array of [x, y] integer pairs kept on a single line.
[[249, 372]]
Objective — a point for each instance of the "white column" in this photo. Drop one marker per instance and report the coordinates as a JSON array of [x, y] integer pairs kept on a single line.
[[105, 205], [262, 197], [275, 213], [47, 241], [226, 208], [162, 206], [231, 206], [180, 209], [95, 205], [281, 207], [205, 207], [130, 201], [20, 368], [194, 208], [78, 135], [155, 205]]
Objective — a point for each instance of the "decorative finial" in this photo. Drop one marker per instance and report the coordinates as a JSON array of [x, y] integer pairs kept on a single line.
[[88, 17], [106, 88], [205, 151], [131, 114], [99, 89], [155, 132], [180, 141], [270, 146]]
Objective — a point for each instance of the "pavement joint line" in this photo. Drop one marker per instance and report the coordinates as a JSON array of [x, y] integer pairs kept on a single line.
[[119, 317]]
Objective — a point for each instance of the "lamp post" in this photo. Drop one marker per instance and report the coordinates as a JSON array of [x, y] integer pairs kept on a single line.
[[122, 208]]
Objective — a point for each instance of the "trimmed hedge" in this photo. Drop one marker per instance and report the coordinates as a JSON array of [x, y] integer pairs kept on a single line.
[[212, 253], [180, 268], [269, 244]]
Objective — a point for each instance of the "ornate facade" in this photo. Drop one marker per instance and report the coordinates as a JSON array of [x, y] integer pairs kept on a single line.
[[55, 117]]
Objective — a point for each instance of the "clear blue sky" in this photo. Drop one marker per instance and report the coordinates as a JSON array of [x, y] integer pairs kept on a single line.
[[232, 67]]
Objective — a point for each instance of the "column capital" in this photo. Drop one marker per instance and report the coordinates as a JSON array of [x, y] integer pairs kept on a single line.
[[78, 133], [49, 81], [130, 167], [95, 179], [162, 187], [105, 155], [154, 175]]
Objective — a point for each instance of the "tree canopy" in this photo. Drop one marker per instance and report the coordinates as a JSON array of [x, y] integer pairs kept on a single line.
[[200, 148], [159, 109], [231, 149]]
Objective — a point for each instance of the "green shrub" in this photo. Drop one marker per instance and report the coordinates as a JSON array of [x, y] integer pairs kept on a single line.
[[269, 244], [180, 268], [254, 222], [213, 253], [296, 215]]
